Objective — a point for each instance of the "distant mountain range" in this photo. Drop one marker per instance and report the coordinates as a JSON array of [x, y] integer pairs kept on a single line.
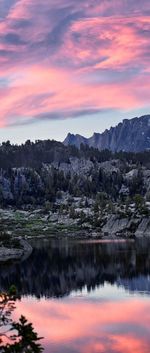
[[130, 136]]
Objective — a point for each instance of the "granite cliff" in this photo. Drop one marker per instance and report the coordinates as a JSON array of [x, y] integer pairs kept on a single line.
[[129, 136]]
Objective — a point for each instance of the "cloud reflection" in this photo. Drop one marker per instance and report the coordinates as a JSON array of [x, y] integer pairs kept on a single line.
[[88, 326]]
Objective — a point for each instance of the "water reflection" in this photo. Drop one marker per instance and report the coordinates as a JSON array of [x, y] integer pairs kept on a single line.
[[85, 297], [90, 326], [56, 268]]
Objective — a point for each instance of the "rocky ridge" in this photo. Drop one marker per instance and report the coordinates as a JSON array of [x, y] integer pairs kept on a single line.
[[129, 136]]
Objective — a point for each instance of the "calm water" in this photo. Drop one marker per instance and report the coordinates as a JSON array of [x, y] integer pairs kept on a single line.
[[89, 297]]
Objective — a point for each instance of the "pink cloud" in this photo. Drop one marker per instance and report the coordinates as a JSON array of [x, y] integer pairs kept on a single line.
[[72, 58]]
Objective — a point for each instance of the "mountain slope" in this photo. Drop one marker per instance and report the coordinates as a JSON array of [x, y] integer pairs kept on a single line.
[[130, 136]]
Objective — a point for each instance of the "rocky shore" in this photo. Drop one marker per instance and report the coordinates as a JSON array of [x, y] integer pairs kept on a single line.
[[82, 219], [11, 253]]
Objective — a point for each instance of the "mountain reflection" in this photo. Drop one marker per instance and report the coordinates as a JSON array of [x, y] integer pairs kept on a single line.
[[56, 268]]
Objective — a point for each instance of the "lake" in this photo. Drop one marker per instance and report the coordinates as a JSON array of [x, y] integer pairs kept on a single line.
[[85, 296]]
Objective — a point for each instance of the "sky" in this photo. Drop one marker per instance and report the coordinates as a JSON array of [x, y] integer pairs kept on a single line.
[[74, 66]]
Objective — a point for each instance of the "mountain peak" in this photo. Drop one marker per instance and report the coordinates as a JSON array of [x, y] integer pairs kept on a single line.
[[76, 140], [129, 135]]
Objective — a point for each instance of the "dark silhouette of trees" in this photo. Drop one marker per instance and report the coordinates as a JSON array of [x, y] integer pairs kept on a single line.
[[20, 336]]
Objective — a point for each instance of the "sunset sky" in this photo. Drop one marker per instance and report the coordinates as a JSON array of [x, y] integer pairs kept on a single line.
[[72, 66]]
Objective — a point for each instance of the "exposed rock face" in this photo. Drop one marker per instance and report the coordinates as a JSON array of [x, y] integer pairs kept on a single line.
[[75, 166], [143, 228], [115, 225], [130, 135], [126, 226]]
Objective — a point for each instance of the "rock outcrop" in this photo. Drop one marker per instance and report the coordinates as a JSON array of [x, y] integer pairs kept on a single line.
[[143, 228], [9, 254], [126, 226]]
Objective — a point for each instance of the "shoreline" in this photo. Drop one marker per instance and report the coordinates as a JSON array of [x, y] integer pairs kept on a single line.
[[8, 255], [14, 254], [18, 227]]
